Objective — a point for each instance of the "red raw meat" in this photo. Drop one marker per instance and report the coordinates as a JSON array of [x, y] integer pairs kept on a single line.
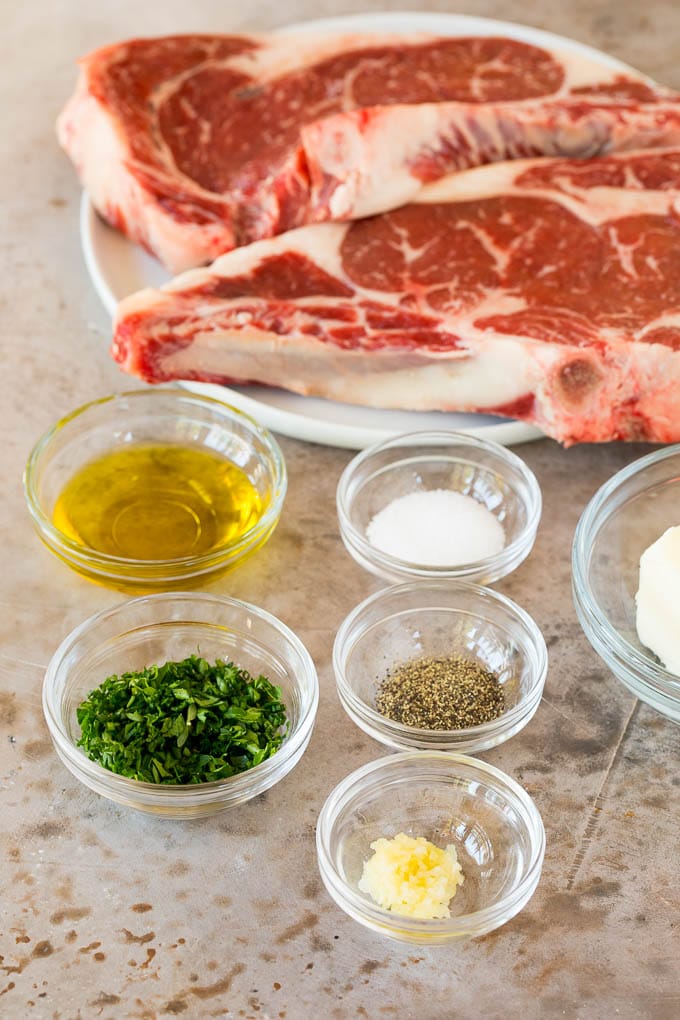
[[193, 145], [546, 290]]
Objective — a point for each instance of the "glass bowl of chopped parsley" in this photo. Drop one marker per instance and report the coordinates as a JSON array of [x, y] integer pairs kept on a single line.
[[181, 704], [430, 847], [440, 665], [438, 504]]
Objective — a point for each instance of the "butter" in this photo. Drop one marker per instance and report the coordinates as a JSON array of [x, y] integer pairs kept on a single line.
[[658, 599]]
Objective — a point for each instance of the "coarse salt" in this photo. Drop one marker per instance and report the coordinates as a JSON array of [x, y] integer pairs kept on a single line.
[[436, 528]]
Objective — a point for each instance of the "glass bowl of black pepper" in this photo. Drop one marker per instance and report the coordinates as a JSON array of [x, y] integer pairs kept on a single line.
[[438, 504], [440, 665], [415, 810]]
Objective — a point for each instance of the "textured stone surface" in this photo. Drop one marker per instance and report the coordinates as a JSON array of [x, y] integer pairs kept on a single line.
[[108, 913]]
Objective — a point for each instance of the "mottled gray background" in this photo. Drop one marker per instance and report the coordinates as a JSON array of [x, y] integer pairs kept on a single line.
[[108, 913]]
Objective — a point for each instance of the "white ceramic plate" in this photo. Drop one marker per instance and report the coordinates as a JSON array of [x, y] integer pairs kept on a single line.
[[118, 267]]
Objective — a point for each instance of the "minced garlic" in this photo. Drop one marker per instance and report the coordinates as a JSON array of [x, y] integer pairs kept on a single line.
[[411, 876]]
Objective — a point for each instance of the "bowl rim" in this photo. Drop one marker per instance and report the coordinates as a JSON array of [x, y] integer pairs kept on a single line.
[[503, 561], [474, 923], [172, 792], [508, 718], [593, 619], [108, 562]]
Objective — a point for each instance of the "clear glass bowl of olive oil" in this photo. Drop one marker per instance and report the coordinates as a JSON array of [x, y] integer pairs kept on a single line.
[[155, 488]]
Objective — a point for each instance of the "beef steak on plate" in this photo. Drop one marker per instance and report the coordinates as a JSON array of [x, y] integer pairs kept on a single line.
[[547, 290], [193, 145]]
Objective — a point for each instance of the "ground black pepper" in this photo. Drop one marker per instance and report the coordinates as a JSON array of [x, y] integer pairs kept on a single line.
[[448, 693]]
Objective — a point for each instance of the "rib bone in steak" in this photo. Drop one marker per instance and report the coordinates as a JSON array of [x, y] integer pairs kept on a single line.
[[193, 145], [548, 290]]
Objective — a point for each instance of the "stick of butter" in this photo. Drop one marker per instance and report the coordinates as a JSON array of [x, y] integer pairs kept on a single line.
[[658, 599]]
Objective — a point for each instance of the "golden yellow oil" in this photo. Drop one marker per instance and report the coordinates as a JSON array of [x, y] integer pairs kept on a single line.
[[157, 502]]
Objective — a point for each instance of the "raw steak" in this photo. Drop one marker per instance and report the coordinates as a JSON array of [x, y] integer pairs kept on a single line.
[[547, 290], [193, 145]]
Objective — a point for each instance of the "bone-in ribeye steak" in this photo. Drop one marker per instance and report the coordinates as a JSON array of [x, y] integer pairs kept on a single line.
[[193, 145], [548, 290]]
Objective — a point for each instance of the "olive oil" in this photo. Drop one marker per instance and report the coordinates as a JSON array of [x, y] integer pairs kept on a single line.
[[157, 502]]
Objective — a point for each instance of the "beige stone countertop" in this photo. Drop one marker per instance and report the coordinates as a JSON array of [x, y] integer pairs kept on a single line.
[[110, 913]]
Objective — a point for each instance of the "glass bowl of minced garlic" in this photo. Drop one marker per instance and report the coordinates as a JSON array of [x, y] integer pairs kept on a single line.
[[440, 665], [429, 847]]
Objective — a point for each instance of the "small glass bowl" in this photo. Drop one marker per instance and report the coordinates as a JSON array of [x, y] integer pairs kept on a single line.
[[436, 619], [162, 628], [449, 799], [421, 461], [625, 516], [153, 416]]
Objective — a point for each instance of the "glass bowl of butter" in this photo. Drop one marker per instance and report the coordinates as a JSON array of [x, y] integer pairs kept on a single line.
[[429, 847], [626, 577]]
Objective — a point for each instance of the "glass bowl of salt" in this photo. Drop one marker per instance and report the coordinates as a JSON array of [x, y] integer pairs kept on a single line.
[[438, 504]]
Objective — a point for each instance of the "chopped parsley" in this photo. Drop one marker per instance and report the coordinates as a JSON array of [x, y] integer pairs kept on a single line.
[[182, 722]]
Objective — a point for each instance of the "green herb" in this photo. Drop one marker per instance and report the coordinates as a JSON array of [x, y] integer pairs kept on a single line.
[[183, 722], [450, 693]]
